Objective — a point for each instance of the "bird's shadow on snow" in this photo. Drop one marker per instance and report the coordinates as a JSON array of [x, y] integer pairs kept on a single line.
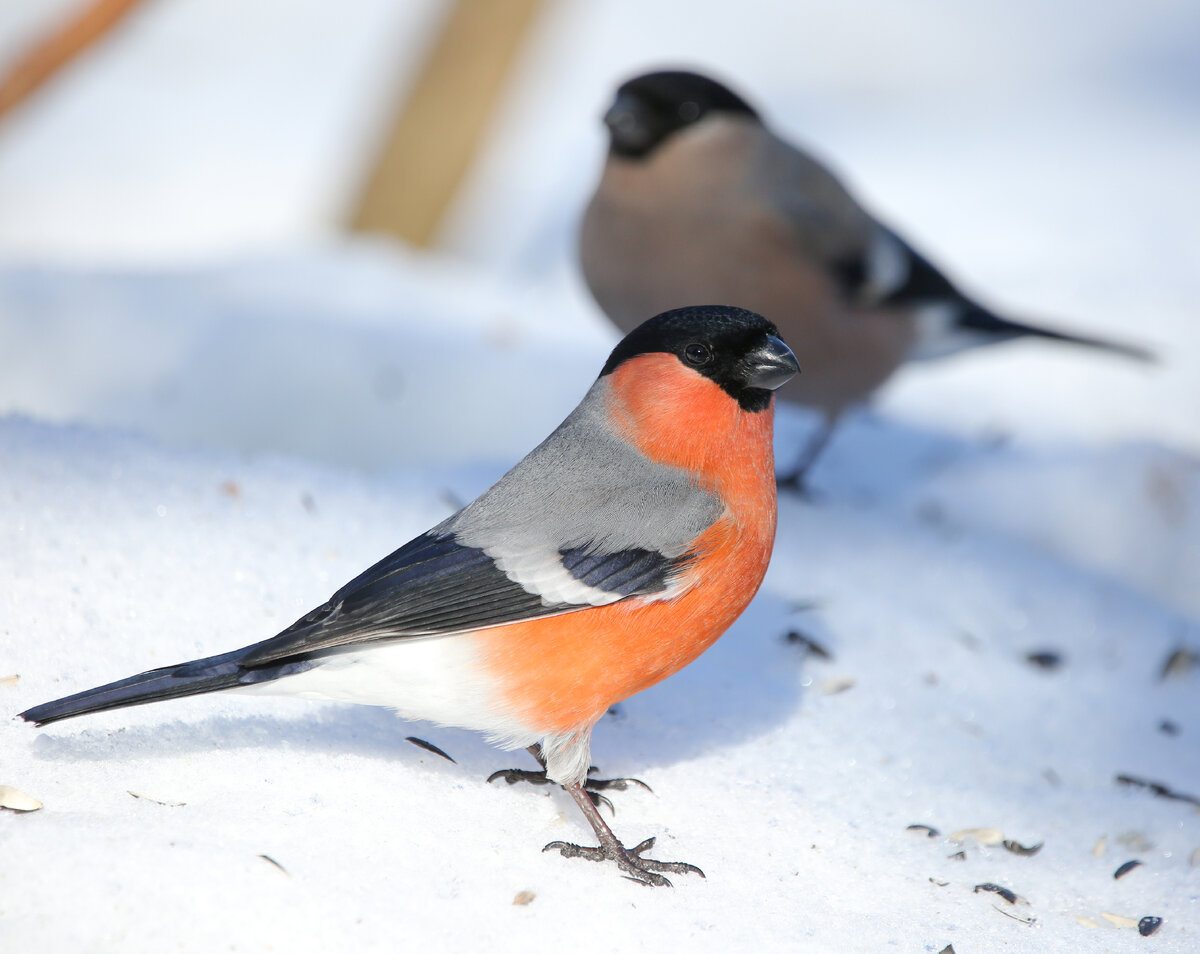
[[749, 682]]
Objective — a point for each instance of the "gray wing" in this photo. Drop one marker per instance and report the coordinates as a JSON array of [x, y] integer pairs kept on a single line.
[[580, 498], [871, 264], [583, 520]]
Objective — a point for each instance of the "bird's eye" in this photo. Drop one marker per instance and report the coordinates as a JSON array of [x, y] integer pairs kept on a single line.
[[689, 111], [697, 354]]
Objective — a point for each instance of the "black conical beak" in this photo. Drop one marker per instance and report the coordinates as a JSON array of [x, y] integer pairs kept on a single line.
[[629, 130], [771, 365]]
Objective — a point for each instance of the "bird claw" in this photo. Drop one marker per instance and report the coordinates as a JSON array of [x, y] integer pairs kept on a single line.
[[616, 784], [636, 868], [593, 786], [512, 776]]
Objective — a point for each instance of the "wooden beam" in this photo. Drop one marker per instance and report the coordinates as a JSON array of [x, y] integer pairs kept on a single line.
[[439, 127], [54, 51]]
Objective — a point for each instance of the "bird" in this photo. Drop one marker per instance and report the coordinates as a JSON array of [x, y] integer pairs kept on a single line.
[[611, 556], [700, 200]]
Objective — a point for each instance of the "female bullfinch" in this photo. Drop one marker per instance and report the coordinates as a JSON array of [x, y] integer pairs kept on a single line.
[[610, 557], [698, 183]]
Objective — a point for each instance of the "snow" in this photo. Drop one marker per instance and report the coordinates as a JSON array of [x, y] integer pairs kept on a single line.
[[217, 410]]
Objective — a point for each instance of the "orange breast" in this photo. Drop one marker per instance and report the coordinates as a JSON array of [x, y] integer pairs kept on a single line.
[[561, 674]]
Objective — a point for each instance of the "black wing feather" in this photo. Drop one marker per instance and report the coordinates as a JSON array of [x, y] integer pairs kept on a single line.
[[430, 586], [632, 572]]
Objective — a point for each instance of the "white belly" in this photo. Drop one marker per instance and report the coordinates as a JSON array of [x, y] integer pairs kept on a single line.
[[438, 679]]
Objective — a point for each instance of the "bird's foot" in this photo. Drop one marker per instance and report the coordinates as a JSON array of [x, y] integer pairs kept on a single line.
[[645, 871], [512, 776]]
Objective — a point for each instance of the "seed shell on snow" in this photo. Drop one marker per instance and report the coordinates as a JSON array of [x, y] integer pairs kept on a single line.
[[1018, 849], [1044, 659], [1180, 662], [1006, 893], [1149, 924], [810, 645], [1167, 727], [16, 800], [1118, 920], [1125, 869], [157, 801], [1024, 919], [984, 836], [270, 860], [428, 747], [1157, 788], [831, 687], [929, 831], [1136, 841]]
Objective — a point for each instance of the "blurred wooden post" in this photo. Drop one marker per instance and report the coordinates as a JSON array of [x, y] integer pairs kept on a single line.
[[92, 21], [439, 127]]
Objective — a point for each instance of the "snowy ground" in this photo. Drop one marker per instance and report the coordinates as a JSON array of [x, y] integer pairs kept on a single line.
[[216, 412]]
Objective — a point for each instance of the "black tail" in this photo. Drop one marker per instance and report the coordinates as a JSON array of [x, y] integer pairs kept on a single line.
[[924, 284], [171, 682], [975, 318]]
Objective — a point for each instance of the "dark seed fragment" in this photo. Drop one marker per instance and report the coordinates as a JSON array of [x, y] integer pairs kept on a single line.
[[1125, 869], [1018, 849], [1044, 659], [1180, 662], [812, 647], [1005, 893], [929, 832], [1149, 924], [1015, 917], [157, 801], [271, 860], [1167, 727], [428, 747], [1157, 788]]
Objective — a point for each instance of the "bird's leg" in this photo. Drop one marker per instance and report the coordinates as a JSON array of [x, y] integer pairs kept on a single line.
[[796, 480], [593, 786], [629, 860]]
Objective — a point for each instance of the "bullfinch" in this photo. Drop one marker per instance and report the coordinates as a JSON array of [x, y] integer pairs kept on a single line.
[[698, 184], [610, 557]]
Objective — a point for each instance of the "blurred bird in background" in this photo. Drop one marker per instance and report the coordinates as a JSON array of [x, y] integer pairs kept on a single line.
[[610, 557], [700, 201]]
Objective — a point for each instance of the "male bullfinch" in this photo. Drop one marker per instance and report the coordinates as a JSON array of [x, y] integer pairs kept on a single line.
[[696, 183], [610, 557]]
